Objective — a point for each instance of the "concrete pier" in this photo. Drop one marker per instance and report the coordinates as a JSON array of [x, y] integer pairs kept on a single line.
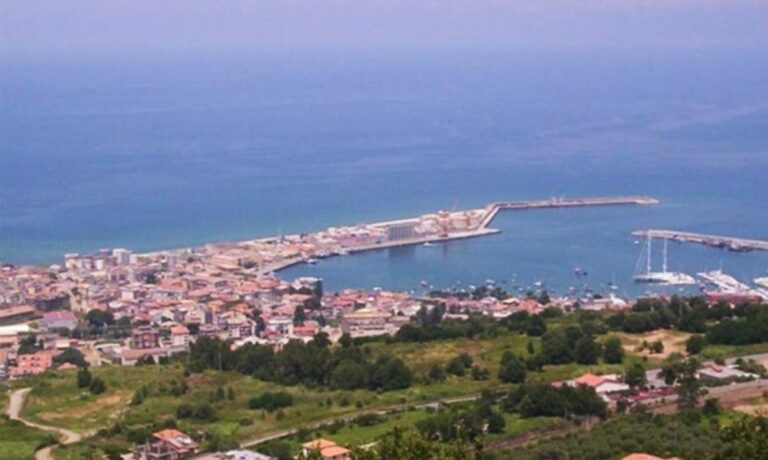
[[731, 243]]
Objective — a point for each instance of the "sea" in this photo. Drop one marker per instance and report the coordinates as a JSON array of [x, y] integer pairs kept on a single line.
[[154, 151]]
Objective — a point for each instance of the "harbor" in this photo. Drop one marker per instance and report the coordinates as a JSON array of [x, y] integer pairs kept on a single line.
[[437, 227]]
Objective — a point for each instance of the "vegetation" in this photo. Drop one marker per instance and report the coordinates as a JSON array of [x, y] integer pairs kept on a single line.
[[19, 442], [664, 436], [313, 364]]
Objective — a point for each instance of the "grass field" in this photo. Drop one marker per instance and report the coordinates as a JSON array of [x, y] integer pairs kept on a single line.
[[18, 441], [56, 400]]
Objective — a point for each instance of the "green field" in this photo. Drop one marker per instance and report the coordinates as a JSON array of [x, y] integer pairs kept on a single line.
[[56, 400], [18, 441]]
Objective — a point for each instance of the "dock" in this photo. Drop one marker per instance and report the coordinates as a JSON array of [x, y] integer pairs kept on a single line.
[[492, 209], [727, 242], [480, 225]]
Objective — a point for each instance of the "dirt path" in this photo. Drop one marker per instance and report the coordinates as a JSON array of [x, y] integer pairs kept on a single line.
[[16, 404]]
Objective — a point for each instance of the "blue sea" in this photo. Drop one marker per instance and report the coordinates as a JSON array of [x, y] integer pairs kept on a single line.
[[155, 152]]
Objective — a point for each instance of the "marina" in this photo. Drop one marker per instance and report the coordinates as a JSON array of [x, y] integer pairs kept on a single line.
[[442, 226]]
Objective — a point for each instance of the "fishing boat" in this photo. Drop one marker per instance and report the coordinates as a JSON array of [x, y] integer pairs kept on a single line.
[[664, 277]]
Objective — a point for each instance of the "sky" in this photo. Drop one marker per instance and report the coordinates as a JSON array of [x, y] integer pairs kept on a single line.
[[190, 26]]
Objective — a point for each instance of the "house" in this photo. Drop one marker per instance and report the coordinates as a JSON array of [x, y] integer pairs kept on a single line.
[[144, 337], [646, 457], [32, 364], [714, 372], [168, 444], [602, 384], [180, 336], [328, 449], [62, 319], [245, 455]]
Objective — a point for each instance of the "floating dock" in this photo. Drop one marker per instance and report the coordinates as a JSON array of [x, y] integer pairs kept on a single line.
[[731, 243]]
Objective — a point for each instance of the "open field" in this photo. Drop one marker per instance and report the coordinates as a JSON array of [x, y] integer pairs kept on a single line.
[[56, 400], [674, 342]]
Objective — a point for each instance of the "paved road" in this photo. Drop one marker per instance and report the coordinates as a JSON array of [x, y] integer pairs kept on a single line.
[[15, 405]]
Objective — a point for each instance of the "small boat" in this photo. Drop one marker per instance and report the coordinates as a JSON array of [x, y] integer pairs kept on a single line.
[[578, 271], [424, 283], [428, 244], [312, 261]]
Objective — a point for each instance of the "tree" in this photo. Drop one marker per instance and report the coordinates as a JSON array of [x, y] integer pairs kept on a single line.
[[299, 316], [436, 373], [530, 348], [635, 376], [389, 374], [97, 386], [746, 437], [656, 347], [513, 369], [83, 378], [556, 348], [496, 422], [536, 326], [613, 351], [695, 344], [349, 375], [72, 356], [587, 350], [100, 318]]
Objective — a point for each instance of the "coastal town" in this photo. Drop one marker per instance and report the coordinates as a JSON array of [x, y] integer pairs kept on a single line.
[[120, 308], [155, 304]]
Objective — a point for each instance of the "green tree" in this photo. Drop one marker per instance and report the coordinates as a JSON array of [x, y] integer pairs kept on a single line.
[[613, 351], [746, 438], [436, 373], [695, 344], [634, 376], [72, 356], [83, 378], [587, 350], [513, 369], [97, 386]]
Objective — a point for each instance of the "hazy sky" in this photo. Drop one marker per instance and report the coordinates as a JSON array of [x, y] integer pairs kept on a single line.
[[191, 25]]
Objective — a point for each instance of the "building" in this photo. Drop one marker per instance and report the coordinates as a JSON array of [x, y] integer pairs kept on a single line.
[[180, 336], [404, 231], [602, 384], [16, 314], [168, 444], [245, 455], [62, 319], [328, 450], [33, 364], [144, 337], [717, 373]]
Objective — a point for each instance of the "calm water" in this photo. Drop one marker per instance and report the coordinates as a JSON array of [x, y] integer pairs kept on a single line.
[[152, 153]]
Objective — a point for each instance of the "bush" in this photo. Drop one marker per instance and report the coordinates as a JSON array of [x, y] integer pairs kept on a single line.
[[271, 401]]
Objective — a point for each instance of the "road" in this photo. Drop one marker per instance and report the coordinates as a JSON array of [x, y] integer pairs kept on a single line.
[[16, 404]]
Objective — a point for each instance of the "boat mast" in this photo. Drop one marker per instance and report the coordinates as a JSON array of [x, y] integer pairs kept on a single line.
[[648, 254]]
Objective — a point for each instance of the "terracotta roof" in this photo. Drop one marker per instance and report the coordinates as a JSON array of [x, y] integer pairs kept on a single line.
[[646, 457], [590, 380], [334, 451], [169, 433], [320, 444]]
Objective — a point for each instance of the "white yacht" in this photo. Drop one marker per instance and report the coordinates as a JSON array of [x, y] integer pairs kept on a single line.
[[664, 276]]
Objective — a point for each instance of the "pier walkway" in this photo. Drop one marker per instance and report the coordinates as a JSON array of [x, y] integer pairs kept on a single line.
[[732, 243], [493, 208]]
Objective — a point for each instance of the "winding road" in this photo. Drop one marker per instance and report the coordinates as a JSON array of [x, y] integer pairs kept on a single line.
[[16, 403]]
